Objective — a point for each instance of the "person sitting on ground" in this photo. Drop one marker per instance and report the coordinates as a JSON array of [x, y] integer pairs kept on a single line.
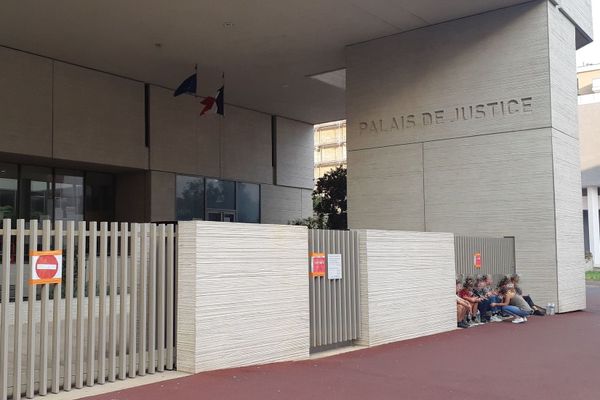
[[485, 293], [507, 292], [462, 307], [466, 293], [515, 279]]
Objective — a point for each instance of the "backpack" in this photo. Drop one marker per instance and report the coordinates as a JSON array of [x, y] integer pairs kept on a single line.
[[537, 310]]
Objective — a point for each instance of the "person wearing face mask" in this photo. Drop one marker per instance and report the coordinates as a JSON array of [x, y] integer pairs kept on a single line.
[[513, 304]]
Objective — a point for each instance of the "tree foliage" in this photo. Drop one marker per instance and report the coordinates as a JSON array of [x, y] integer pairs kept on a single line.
[[330, 198]]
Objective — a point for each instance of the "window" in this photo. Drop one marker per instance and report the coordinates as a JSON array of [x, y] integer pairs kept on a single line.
[[36, 193], [8, 191], [220, 194], [189, 198], [248, 202], [99, 197], [68, 196]]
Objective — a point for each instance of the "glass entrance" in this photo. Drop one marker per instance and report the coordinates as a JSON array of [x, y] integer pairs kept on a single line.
[[220, 215]]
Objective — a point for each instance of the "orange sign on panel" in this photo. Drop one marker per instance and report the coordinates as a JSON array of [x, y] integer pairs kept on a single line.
[[477, 260], [46, 267], [317, 264]]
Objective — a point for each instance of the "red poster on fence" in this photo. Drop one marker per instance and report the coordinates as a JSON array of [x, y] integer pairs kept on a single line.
[[317, 264], [477, 260]]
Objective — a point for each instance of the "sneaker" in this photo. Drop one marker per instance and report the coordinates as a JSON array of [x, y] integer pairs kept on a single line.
[[518, 320], [524, 319], [463, 325], [495, 318]]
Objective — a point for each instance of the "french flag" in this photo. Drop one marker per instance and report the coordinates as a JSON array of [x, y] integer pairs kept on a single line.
[[215, 105]]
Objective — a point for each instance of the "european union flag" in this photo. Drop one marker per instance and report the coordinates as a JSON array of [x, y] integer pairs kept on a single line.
[[187, 86]]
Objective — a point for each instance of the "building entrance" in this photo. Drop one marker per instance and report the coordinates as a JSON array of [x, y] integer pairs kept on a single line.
[[220, 215]]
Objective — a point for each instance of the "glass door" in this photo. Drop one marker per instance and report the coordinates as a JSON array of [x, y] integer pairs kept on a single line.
[[220, 215]]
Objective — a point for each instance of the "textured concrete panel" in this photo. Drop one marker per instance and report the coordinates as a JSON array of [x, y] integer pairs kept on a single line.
[[589, 136], [580, 11], [181, 140], [569, 226], [498, 185], [492, 67], [295, 153], [246, 146], [25, 103], [98, 118], [280, 205], [399, 273], [307, 203], [242, 295], [385, 188], [563, 72], [162, 196]]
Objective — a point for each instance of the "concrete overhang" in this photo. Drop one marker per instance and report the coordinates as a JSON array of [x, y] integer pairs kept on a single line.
[[267, 49]]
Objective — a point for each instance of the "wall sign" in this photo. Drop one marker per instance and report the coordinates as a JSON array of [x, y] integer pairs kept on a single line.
[[334, 266], [46, 267], [317, 264], [477, 260]]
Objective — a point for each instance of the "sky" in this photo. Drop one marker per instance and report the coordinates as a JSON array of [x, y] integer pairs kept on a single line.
[[590, 54]]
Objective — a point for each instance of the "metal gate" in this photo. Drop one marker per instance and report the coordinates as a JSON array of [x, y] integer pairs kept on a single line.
[[111, 318], [497, 255], [334, 303]]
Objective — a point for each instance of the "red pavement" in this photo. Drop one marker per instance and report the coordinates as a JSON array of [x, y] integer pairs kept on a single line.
[[546, 358]]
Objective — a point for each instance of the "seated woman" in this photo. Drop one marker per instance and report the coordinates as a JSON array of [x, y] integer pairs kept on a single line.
[[462, 307], [508, 293], [466, 293], [515, 278], [484, 291]]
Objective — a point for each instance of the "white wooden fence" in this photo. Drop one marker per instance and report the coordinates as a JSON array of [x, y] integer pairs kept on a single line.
[[113, 319]]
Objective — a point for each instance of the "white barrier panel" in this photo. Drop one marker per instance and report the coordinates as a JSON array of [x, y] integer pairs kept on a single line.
[[242, 295], [407, 285]]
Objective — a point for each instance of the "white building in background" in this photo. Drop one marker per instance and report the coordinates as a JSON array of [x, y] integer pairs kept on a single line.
[[589, 136]]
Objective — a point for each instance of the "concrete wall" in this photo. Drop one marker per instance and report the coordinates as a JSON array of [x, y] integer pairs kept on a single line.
[[242, 295], [98, 118], [25, 103], [589, 136], [162, 196], [280, 205], [180, 139], [510, 76], [295, 153], [399, 273]]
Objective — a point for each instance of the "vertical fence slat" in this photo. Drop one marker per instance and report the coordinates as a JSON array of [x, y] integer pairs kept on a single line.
[[152, 302], [160, 298], [133, 300], [80, 325], [123, 303], [68, 359], [6, 237], [143, 299], [43, 334], [31, 347], [57, 315], [91, 331], [18, 328], [102, 270], [170, 295], [112, 312]]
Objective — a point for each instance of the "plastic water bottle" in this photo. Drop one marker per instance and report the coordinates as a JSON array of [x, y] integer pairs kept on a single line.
[[553, 307], [478, 317]]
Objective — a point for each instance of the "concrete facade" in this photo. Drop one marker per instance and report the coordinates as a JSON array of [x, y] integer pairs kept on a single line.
[[484, 143], [56, 114]]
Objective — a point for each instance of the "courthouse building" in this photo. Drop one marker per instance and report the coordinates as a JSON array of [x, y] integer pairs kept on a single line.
[[461, 116]]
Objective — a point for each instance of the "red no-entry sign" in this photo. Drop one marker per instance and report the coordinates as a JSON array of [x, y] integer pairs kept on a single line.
[[46, 267]]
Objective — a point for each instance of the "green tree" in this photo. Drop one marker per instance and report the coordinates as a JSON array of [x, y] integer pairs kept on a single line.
[[330, 198]]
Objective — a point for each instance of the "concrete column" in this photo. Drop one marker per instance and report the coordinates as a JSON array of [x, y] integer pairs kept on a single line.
[[594, 223]]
